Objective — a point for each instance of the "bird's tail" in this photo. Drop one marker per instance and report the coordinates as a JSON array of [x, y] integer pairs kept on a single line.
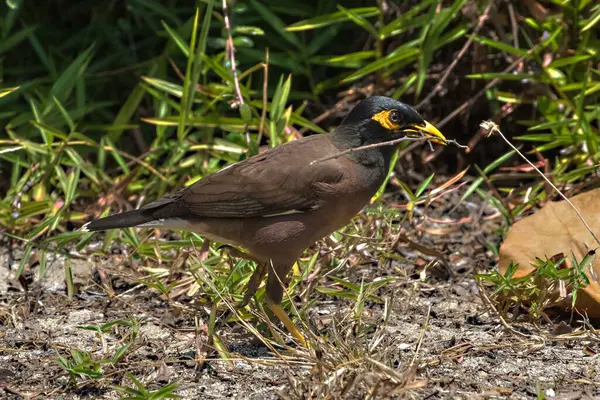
[[123, 220]]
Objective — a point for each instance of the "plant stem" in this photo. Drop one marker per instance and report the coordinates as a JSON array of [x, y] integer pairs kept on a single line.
[[493, 128]]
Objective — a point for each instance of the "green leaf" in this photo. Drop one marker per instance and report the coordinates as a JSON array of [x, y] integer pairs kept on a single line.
[[188, 88], [7, 91], [592, 21], [549, 39], [333, 18], [280, 98], [120, 353], [65, 114], [65, 83], [227, 146], [224, 73], [382, 188], [243, 41], [562, 62], [246, 113], [430, 37], [500, 46], [222, 349], [423, 185], [227, 123], [410, 81], [402, 53], [407, 191], [49, 130], [78, 161], [118, 158], [69, 279], [507, 76], [496, 163], [193, 70], [7, 44], [553, 124], [130, 106], [540, 137], [43, 264], [165, 86], [14, 10], [359, 20], [248, 30], [351, 60], [455, 34], [406, 21], [278, 59], [177, 39], [24, 259], [72, 181], [591, 90]]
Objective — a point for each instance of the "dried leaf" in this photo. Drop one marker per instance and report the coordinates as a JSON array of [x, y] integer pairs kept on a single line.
[[553, 230]]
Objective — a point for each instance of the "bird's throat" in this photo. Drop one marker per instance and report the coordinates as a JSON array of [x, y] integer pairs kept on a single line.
[[345, 138]]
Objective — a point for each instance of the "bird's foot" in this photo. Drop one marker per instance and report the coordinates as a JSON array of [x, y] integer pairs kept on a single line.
[[289, 325]]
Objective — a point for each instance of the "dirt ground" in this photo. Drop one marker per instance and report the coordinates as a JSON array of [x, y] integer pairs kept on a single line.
[[431, 337]]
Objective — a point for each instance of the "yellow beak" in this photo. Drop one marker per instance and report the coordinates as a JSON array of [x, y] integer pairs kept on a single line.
[[432, 132]]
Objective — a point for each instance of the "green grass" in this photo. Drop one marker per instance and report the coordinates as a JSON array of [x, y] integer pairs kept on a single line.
[[73, 149], [140, 392], [544, 288], [104, 108]]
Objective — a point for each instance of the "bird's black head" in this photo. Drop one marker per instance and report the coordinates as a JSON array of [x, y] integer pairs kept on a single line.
[[376, 117]]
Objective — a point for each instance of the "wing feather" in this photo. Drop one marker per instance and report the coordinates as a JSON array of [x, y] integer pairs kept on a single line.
[[279, 181]]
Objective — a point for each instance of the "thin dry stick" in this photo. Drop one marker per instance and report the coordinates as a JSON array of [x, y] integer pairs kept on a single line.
[[369, 146], [505, 324], [382, 144], [460, 55], [513, 23], [421, 336], [493, 128], [265, 87], [492, 83], [231, 51]]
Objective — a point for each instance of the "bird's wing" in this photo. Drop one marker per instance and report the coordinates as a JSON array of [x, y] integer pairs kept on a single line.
[[279, 181]]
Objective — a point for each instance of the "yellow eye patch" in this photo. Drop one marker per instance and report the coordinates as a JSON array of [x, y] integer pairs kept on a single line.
[[383, 117]]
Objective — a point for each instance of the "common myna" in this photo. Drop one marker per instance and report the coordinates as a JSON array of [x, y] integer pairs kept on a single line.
[[279, 202]]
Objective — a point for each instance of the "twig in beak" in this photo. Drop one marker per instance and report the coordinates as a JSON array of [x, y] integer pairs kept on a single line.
[[388, 143]]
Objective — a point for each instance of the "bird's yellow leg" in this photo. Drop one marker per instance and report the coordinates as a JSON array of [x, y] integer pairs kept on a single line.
[[287, 322]]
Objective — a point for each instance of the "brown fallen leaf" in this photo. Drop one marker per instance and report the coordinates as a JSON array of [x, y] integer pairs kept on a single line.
[[553, 230]]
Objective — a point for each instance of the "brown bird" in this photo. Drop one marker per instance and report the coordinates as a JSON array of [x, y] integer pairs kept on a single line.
[[278, 203]]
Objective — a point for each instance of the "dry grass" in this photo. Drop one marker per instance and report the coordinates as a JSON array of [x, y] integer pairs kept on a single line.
[[385, 318]]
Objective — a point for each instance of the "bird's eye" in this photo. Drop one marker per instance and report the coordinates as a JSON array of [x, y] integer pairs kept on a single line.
[[394, 117]]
